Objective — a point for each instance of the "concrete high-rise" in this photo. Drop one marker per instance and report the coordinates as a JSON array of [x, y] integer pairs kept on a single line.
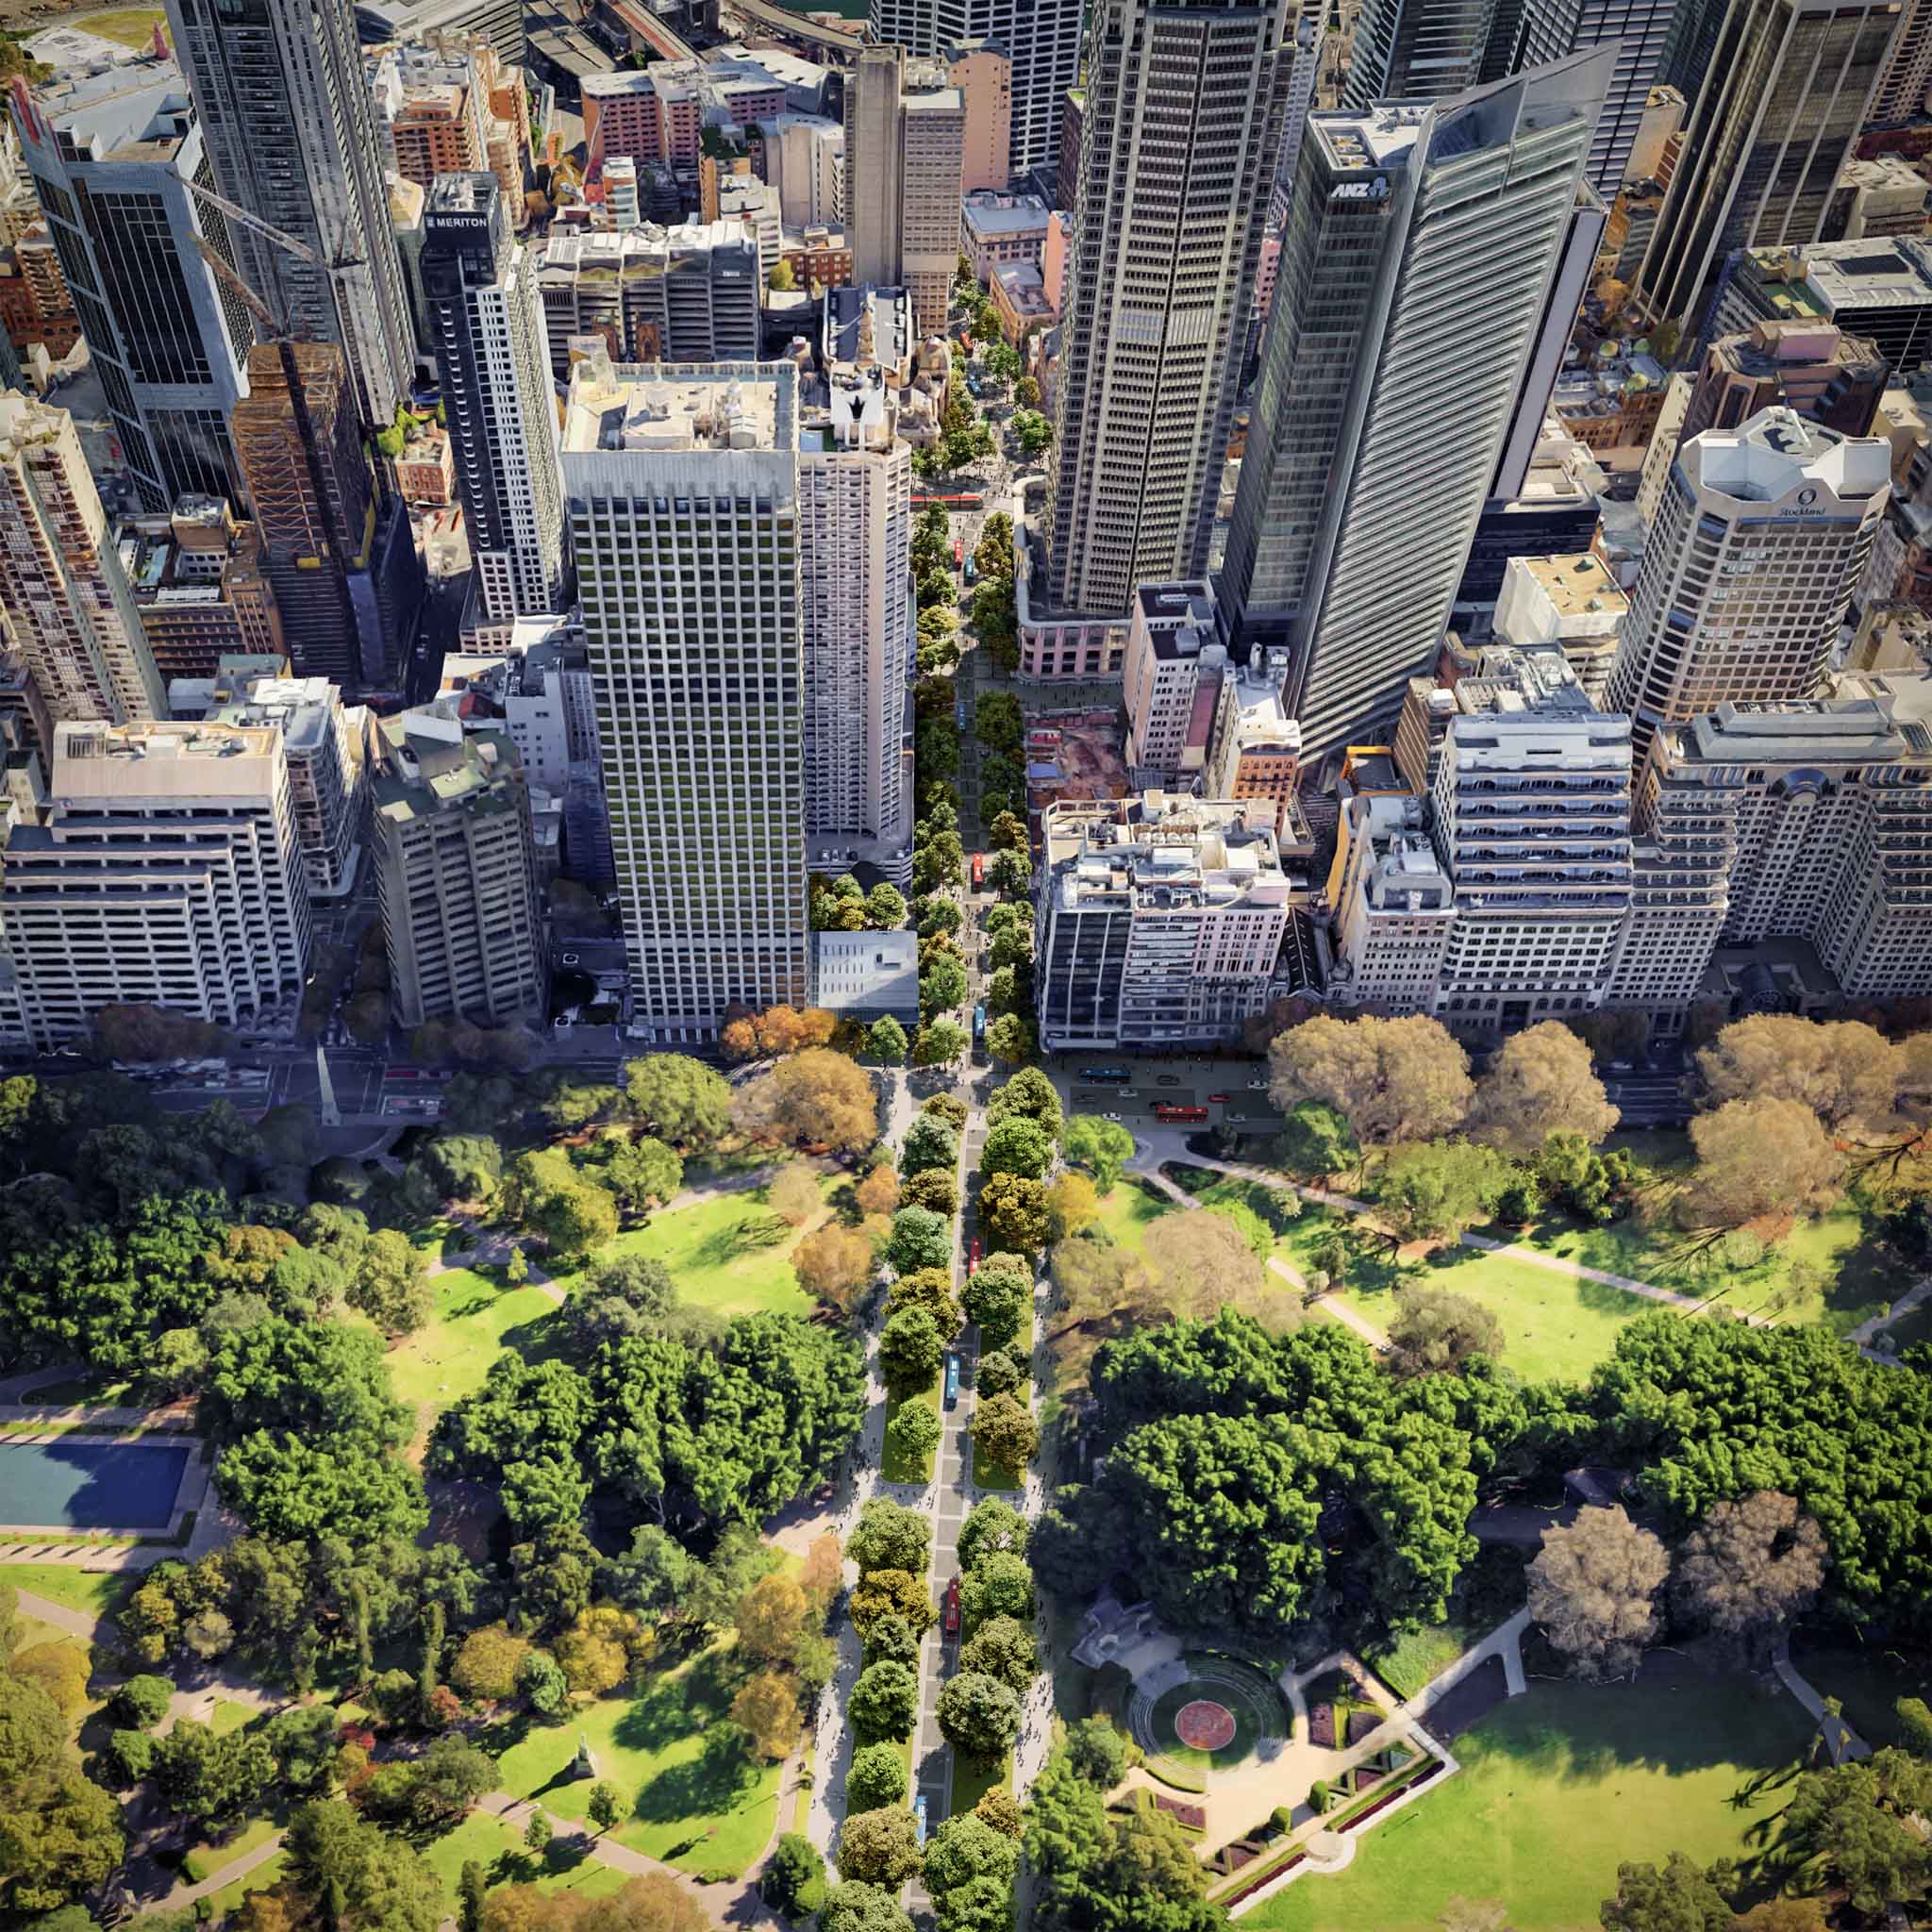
[[289, 119], [984, 76], [1040, 38], [854, 491], [456, 873], [67, 600], [1790, 85], [161, 867], [904, 155], [112, 155], [1761, 537], [1381, 414], [1416, 50], [1182, 128], [488, 329], [1554, 28], [1906, 82], [682, 490]]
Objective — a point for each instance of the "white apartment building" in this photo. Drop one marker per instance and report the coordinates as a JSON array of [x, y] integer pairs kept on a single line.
[[538, 687], [1180, 133], [1749, 570], [855, 496], [162, 867], [66, 598], [1391, 904], [324, 779], [1572, 602], [456, 873], [1160, 921], [682, 484], [479, 283], [1532, 826], [1172, 682]]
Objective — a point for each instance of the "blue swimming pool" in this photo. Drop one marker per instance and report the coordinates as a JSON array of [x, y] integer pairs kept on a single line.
[[90, 1485]]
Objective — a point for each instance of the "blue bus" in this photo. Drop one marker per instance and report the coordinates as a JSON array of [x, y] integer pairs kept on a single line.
[[1118, 1074], [919, 1816], [978, 1024], [952, 1380], [972, 570]]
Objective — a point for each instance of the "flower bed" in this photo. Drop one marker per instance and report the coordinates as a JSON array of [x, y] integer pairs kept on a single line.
[[1322, 1726], [1392, 1789], [1228, 1900], [1362, 1722], [1193, 1816]]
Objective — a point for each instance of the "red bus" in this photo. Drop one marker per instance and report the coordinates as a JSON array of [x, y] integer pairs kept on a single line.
[[1165, 1112], [959, 553], [979, 872], [951, 1615], [969, 500]]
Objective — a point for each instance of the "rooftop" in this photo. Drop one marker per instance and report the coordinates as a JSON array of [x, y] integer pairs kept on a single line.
[[128, 763], [1778, 451], [433, 765], [1573, 584], [1354, 143], [1166, 852], [137, 110], [989, 213], [658, 408]]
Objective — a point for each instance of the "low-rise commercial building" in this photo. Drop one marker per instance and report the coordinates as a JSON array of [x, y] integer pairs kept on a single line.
[[1160, 921], [200, 583], [1571, 602], [995, 229], [1814, 368]]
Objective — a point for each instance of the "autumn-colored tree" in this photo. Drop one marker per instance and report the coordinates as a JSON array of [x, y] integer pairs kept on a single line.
[[1071, 1202], [1843, 1070], [766, 1708], [1766, 1156], [1541, 1082], [1403, 1079], [1200, 1261], [488, 1663], [815, 1096], [834, 1263], [771, 1618], [1014, 1211], [793, 1194], [1749, 1568], [878, 1193]]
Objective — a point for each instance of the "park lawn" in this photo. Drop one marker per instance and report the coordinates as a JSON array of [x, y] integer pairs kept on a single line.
[[973, 1778], [450, 1356], [1126, 1212], [262, 1878], [131, 27], [1418, 1656], [98, 1593], [895, 1467], [204, 1859], [1552, 1325], [1556, 1789], [499, 1849], [1868, 1679], [697, 1801], [230, 1716], [706, 1248]]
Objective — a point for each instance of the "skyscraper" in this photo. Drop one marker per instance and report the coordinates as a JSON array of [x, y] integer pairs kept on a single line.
[[905, 153], [487, 326], [68, 602], [1760, 536], [681, 483], [111, 154], [1182, 128], [1416, 50], [855, 487], [1042, 38], [1553, 29], [1788, 89], [1908, 77], [286, 111], [1381, 411]]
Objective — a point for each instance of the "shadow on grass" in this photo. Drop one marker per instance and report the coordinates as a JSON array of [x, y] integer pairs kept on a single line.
[[718, 1779], [673, 1707]]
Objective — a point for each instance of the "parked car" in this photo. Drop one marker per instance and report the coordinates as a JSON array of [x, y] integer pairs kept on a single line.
[[1218, 1099], [1167, 1080]]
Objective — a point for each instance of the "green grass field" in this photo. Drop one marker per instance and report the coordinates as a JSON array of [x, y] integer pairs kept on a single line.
[[99, 1593], [1557, 1788], [204, 1860], [132, 26], [697, 1801], [449, 1358], [265, 1875], [972, 1779], [1419, 1655], [1126, 1212], [711, 1260]]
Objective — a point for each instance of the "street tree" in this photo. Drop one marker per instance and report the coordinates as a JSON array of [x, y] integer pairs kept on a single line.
[[834, 1263], [1011, 1040], [890, 1535], [914, 1431], [1013, 1210], [977, 1714], [678, 1098], [930, 1141], [1016, 1145], [1004, 1649], [919, 1239], [885, 1041], [884, 1701], [1102, 1147], [996, 1298], [1539, 1082], [877, 1778], [1006, 1431], [1592, 1590], [911, 1350]]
